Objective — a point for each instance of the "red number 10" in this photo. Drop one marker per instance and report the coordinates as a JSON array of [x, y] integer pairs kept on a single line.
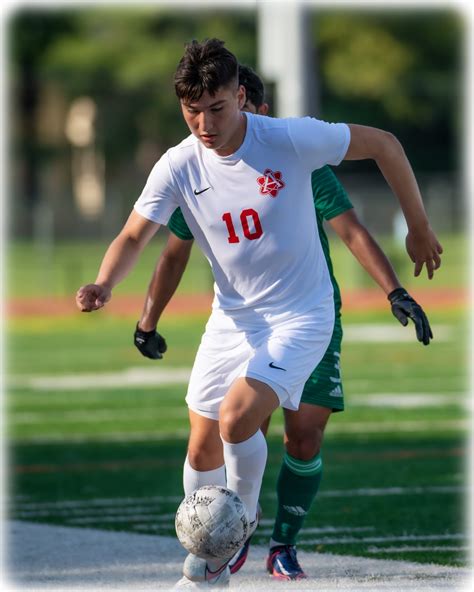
[[244, 216]]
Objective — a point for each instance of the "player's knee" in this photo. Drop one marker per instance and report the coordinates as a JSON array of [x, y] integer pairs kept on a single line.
[[304, 445], [232, 426], [204, 458]]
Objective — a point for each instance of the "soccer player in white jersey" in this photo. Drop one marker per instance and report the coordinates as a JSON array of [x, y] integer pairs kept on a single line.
[[243, 184], [302, 466]]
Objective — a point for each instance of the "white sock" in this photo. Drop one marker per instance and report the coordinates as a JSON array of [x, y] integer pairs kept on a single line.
[[193, 479], [245, 464]]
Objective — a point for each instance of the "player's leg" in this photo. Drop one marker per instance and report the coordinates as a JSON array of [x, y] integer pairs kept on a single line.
[[301, 470], [244, 449], [204, 464], [240, 557], [220, 358], [247, 404]]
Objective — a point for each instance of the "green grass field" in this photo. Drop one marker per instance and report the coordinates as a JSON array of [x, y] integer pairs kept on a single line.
[[85, 454]]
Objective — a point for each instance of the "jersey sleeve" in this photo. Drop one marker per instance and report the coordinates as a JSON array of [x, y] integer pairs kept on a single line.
[[159, 198], [317, 142], [177, 225], [330, 197]]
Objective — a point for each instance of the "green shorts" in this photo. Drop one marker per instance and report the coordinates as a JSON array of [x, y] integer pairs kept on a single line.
[[324, 386]]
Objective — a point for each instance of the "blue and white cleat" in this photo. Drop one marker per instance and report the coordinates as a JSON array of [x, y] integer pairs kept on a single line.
[[282, 563]]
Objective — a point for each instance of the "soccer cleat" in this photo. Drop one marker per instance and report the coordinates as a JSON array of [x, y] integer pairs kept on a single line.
[[196, 571], [240, 557], [282, 563]]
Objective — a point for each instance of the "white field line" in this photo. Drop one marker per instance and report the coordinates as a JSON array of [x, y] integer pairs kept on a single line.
[[383, 539], [130, 377], [66, 558], [375, 427], [146, 526], [99, 502], [375, 491], [308, 532], [322, 529], [420, 383], [453, 387], [104, 415], [388, 333], [305, 532], [132, 514], [120, 504], [138, 518], [140, 414], [49, 416], [142, 436], [408, 549], [408, 400]]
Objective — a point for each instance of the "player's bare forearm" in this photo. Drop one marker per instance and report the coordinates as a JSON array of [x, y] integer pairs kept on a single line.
[[165, 280], [371, 143], [366, 250], [118, 261], [123, 252]]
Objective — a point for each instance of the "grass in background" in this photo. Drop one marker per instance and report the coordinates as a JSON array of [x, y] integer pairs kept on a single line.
[[62, 268]]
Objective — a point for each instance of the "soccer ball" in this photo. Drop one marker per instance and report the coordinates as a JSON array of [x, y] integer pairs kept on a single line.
[[212, 522]]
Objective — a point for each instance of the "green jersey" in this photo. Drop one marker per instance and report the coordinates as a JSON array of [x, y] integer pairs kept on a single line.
[[330, 200]]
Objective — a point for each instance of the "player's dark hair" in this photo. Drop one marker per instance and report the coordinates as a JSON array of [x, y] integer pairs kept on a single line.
[[205, 66], [253, 85]]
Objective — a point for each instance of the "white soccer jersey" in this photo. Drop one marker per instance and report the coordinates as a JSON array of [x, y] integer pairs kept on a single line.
[[252, 212]]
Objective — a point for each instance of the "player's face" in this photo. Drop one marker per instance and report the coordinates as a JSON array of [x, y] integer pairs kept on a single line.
[[217, 119]]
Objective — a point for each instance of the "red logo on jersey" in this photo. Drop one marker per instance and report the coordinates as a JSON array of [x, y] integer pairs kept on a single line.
[[270, 182]]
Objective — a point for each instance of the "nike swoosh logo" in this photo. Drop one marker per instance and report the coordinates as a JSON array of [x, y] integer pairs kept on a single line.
[[211, 575], [196, 192], [272, 365]]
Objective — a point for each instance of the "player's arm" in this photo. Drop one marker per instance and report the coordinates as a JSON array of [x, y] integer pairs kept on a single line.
[[371, 143], [165, 280], [369, 254], [118, 261], [365, 249]]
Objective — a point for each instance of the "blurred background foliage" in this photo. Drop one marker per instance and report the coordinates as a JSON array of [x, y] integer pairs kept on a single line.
[[401, 70]]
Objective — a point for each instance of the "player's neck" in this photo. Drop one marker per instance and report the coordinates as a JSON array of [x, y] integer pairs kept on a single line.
[[236, 141]]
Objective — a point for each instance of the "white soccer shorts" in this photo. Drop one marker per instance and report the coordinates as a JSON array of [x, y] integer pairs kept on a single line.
[[280, 351]]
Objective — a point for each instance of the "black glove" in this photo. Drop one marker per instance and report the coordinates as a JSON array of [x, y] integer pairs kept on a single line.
[[150, 343], [404, 307]]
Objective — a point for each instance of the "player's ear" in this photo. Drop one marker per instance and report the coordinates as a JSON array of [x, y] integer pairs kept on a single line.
[[263, 109], [242, 96]]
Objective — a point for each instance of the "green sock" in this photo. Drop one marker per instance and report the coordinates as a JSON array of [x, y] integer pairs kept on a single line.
[[297, 486]]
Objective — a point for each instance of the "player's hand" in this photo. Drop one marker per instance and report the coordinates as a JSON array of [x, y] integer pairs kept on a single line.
[[92, 297], [405, 307], [150, 343], [424, 249]]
